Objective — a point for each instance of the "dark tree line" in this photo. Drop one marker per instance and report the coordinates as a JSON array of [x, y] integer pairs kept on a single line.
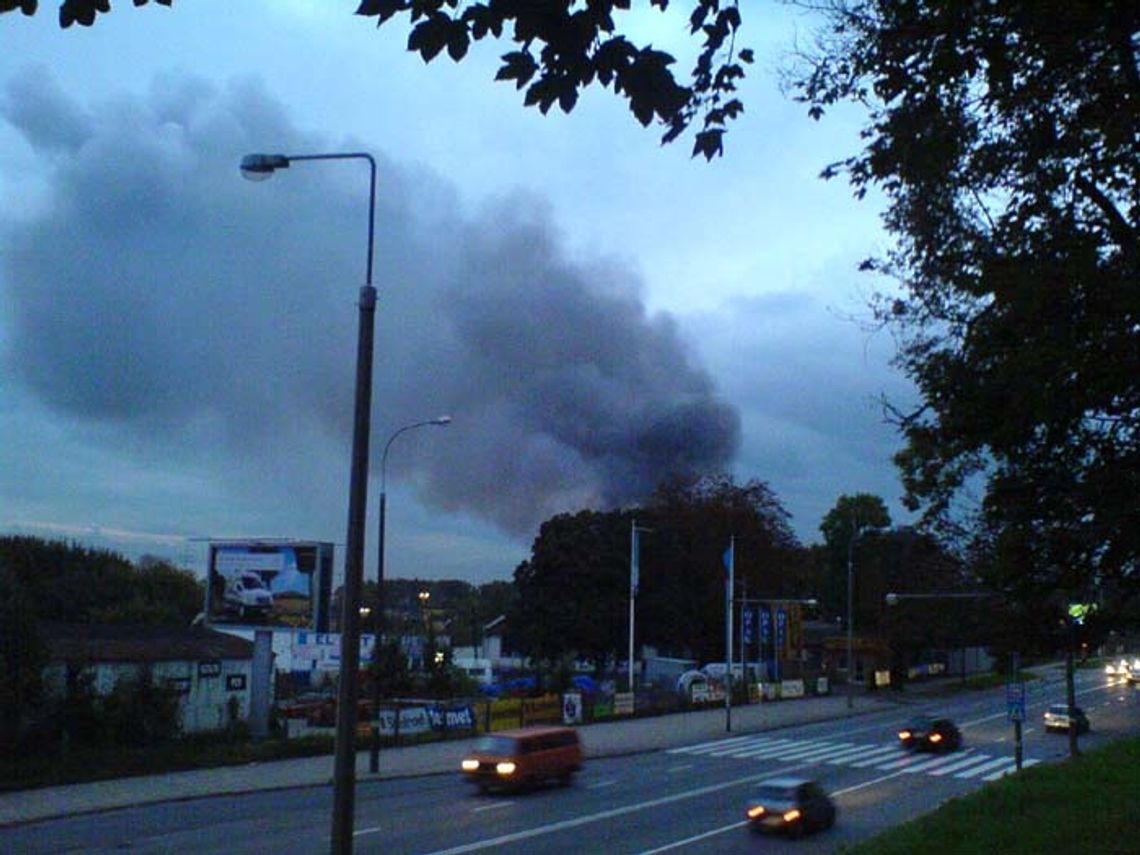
[[54, 581]]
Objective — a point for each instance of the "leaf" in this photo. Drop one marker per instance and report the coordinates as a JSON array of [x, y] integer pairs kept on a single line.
[[430, 36], [382, 9], [458, 41], [709, 143], [518, 66]]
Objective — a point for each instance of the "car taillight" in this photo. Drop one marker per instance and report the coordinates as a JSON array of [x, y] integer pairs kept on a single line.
[[936, 737], [791, 815], [505, 768], [470, 765], [756, 812]]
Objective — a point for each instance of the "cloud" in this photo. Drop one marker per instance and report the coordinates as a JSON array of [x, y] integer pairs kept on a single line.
[[810, 379], [183, 316]]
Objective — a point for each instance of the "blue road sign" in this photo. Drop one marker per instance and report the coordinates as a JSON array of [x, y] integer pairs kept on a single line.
[[1015, 701]]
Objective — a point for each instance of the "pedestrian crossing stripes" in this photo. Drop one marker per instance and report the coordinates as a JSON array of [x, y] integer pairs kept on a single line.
[[887, 758]]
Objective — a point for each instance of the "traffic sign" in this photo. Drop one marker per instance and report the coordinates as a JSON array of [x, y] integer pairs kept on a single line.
[[1015, 701]]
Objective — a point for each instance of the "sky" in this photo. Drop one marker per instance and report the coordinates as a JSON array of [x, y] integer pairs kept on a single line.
[[593, 310]]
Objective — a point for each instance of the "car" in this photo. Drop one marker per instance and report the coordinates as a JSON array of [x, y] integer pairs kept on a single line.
[[1118, 669], [926, 733], [789, 805], [523, 758], [1057, 718]]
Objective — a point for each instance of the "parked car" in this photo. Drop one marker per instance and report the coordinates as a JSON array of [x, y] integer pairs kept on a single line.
[[1057, 718], [523, 758], [931, 734], [790, 805]]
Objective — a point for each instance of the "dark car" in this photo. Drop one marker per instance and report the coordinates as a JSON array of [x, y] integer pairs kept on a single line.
[[790, 805], [931, 734], [1057, 718]]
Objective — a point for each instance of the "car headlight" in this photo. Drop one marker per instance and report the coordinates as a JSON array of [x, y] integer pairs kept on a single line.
[[505, 768], [936, 737], [470, 765], [791, 815], [904, 734], [756, 811]]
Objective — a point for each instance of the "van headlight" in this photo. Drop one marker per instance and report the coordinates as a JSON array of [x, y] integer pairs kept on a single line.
[[470, 765], [505, 768]]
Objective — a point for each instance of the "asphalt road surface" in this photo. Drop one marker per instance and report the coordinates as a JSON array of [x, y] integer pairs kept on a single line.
[[687, 799]]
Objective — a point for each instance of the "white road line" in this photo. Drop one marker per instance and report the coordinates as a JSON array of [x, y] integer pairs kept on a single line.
[[777, 745], [985, 767], [882, 755], [683, 767], [701, 746], [566, 824], [844, 756], [677, 844], [1010, 769], [601, 785], [495, 806], [784, 752], [930, 764], [821, 754], [961, 764]]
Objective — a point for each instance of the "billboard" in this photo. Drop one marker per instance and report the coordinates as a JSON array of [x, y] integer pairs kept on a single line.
[[269, 583]]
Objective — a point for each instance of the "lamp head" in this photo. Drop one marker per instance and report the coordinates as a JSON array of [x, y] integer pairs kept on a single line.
[[892, 599], [442, 420], [258, 167]]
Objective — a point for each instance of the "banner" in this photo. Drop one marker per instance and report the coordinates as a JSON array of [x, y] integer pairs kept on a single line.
[[412, 720], [572, 708], [451, 718]]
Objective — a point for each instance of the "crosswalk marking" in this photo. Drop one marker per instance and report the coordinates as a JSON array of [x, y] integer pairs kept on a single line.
[[1010, 769], [974, 771], [960, 764]]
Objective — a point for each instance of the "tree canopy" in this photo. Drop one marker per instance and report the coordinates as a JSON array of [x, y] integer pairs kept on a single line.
[[1005, 136], [561, 49]]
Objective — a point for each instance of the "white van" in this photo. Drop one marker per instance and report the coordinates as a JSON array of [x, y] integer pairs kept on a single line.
[[247, 594]]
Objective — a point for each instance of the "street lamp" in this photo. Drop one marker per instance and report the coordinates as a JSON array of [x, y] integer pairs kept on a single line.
[[378, 623], [855, 533], [258, 167]]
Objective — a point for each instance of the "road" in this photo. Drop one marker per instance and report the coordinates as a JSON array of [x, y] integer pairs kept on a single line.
[[686, 799]]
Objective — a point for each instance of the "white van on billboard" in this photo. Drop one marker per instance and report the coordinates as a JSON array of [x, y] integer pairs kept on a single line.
[[261, 583]]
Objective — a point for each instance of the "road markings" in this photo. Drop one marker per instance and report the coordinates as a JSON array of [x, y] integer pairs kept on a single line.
[[494, 806], [1010, 769], [601, 785], [567, 824], [677, 844], [888, 758]]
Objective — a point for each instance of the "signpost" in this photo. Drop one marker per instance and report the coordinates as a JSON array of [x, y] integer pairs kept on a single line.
[[1015, 707]]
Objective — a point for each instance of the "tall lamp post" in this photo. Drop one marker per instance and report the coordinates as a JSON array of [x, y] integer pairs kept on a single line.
[[378, 620], [855, 532], [258, 167]]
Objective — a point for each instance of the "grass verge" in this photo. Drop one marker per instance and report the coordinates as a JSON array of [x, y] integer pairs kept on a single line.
[[1086, 805]]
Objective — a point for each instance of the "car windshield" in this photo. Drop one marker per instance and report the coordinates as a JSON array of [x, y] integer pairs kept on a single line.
[[501, 745], [1059, 709], [775, 793]]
